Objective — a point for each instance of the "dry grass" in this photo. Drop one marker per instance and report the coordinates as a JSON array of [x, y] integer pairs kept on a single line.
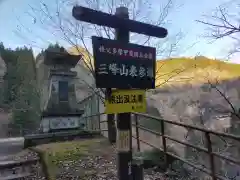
[[79, 158], [70, 151], [178, 71]]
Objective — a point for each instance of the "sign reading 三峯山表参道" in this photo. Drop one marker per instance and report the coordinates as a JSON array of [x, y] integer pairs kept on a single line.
[[124, 101], [123, 65]]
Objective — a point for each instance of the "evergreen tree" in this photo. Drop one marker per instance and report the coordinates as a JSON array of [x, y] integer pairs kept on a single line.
[[52, 48], [20, 86], [55, 48], [20, 90]]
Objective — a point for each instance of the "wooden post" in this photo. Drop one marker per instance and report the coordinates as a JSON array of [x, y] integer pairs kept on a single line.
[[124, 154], [110, 122], [122, 25]]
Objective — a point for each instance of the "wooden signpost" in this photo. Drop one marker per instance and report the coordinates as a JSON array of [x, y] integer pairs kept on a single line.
[[119, 64]]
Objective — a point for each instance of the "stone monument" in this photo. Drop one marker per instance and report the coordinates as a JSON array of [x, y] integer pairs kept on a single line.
[[61, 112]]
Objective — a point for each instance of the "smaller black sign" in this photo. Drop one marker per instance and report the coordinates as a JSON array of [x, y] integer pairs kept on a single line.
[[123, 66]]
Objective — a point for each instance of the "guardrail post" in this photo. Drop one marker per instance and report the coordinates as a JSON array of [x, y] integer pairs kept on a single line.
[[137, 131], [98, 111], [164, 143], [99, 122], [111, 128], [86, 123], [211, 156]]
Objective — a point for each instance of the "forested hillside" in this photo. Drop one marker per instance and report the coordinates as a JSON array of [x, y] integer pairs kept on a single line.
[[19, 93]]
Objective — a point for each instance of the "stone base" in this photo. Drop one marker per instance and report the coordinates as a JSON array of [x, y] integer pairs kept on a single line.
[[58, 121], [77, 112], [63, 129]]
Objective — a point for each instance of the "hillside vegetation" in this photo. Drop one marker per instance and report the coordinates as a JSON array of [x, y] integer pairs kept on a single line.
[[198, 70], [19, 91], [181, 71]]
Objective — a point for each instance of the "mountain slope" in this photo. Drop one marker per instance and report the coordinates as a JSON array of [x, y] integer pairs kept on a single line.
[[182, 71]]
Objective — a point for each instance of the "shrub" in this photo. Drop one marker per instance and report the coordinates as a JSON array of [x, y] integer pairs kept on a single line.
[[155, 158]]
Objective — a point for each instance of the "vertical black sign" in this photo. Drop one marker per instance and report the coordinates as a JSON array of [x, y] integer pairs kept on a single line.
[[123, 65]]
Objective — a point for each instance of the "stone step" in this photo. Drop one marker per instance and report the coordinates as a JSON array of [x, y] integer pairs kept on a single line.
[[15, 176], [10, 170]]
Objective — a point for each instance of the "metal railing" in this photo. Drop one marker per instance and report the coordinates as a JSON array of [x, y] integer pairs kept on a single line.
[[211, 171], [208, 150]]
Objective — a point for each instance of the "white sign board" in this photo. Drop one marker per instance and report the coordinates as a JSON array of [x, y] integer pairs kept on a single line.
[[63, 122]]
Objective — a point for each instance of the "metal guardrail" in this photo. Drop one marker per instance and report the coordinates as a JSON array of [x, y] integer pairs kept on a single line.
[[80, 133], [208, 150], [37, 139], [164, 137]]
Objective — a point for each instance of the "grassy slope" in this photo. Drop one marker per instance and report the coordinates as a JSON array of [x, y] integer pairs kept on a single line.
[[87, 57], [179, 71], [71, 153]]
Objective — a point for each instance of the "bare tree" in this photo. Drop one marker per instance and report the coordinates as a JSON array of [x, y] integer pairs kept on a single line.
[[224, 23], [57, 21]]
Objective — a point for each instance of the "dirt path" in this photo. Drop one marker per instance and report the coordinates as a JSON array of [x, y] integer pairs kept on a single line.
[[83, 160]]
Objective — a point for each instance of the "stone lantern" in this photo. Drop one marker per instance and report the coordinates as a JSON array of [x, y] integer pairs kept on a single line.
[[61, 112]]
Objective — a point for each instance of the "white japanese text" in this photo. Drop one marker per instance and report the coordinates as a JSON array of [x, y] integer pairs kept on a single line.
[[125, 52]]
